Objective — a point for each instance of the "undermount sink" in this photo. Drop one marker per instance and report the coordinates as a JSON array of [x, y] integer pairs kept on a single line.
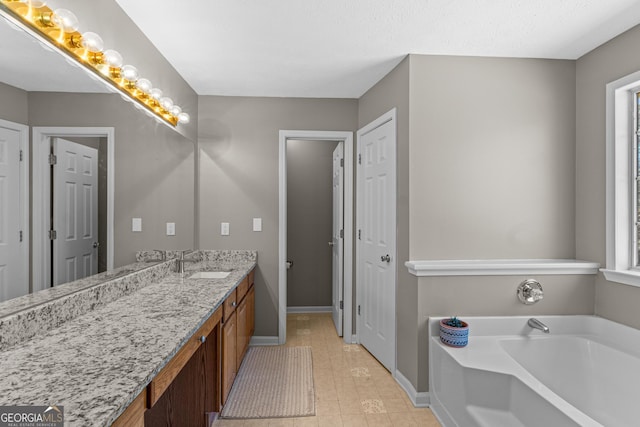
[[210, 275]]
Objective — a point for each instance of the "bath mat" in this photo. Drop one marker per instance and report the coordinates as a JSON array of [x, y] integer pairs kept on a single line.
[[273, 382]]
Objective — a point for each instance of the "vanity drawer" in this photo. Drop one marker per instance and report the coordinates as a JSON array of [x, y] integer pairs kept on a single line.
[[229, 305], [251, 277], [242, 288]]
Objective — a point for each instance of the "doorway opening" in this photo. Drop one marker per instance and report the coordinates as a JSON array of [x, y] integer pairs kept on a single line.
[[51, 206], [345, 302]]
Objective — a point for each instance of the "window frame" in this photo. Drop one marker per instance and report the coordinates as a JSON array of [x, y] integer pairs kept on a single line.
[[621, 240]]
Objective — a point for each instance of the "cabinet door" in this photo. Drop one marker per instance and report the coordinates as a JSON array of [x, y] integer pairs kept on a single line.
[[242, 337], [251, 312], [229, 367]]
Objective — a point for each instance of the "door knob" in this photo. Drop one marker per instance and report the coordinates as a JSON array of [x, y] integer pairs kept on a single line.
[[331, 243], [96, 244], [385, 258]]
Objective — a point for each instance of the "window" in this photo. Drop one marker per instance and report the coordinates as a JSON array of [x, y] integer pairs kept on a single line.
[[623, 180]]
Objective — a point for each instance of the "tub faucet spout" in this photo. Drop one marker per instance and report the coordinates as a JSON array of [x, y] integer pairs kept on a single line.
[[536, 324]]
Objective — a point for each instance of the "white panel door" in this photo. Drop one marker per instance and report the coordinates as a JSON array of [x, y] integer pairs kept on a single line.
[[75, 211], [337, 240], [14, 281], [377, 284]]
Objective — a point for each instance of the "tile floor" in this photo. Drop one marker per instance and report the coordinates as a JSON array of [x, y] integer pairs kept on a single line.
[[352, 388]]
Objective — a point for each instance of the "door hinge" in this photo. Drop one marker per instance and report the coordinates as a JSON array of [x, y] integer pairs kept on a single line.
[[52, 159], [341, 305], [359, 159], [21, 235], [53, 234], [358, 310], [359, 234], [20, 155], [341, 163], [342, 234]]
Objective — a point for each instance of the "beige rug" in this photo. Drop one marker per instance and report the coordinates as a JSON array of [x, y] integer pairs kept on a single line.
[[273, 382]]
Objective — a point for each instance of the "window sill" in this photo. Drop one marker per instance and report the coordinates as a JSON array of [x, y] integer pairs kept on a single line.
[[626, 277]]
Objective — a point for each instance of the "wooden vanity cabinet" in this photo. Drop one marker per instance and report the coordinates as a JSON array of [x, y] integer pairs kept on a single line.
[[185, 391], [237, 329]]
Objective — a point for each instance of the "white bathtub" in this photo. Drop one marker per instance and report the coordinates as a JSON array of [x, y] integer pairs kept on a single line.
[[585, 372]]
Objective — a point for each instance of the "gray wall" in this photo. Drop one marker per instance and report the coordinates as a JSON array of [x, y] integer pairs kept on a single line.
[[154, 168], [394, 91], [14, 104], [238, 176], [492, 176], [309, 222], [594, 70], [485, 170]]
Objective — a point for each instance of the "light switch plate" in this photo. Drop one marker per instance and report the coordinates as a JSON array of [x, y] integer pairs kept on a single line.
[[136, 224], [257, 224], [171, 229], [224, 229]]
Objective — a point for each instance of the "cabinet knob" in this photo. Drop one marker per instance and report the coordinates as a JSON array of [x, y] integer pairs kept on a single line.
[[203, 339], [233, 304]]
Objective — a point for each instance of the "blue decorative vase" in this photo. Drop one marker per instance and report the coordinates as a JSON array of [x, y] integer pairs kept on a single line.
[[453, 336]]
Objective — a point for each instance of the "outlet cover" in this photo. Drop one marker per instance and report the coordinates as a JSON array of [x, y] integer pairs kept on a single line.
[[224, 229], [136, 224], [171, 229], [257, 224]]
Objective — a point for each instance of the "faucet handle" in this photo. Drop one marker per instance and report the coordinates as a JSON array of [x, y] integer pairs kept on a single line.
[[530, 292]]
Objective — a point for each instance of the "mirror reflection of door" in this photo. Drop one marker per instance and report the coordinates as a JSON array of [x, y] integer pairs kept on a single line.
[[75, 241], [14, 276]]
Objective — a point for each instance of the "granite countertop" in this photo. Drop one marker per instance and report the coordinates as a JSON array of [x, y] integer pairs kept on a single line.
[[97, 363]]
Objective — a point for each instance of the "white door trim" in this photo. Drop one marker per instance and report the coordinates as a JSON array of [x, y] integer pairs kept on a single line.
[[23, 131], [347, 137], [386, 117], [41, 257]]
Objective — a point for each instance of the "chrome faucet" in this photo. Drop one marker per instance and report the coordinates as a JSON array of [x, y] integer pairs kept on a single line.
[[180, 261], [536, 324]]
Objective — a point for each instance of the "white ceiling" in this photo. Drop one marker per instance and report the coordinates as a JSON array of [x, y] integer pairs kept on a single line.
[[340, 48]]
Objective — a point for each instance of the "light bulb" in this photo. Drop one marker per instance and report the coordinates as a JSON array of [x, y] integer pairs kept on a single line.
[[129, 72], [175, 110], [155, 93], [144, 85], [66, 20], [166, 103], [92, 42], [112, 58], [183, 118]]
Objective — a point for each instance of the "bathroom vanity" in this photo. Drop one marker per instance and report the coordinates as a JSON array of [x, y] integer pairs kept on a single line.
[[150, 347]]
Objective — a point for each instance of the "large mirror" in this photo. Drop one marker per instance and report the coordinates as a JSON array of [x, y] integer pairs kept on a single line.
[[77, 164]]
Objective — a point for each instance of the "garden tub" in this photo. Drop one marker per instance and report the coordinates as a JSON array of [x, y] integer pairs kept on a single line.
[[584, 372]]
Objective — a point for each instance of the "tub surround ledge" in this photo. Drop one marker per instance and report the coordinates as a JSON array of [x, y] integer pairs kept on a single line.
[[501, 267]]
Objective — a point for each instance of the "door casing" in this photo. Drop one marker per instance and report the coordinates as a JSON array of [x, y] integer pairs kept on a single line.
[[41, 206], [23, 132], [302, 135]]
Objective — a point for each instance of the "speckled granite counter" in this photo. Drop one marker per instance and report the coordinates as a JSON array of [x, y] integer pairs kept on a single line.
[[96, 363]]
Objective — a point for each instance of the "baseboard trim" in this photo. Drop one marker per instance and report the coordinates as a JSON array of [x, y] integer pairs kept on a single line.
[[354, 339], [258, 341], [419, 399], [314, 309]]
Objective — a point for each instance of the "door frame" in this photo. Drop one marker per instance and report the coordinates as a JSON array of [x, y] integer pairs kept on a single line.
[[41, 206], [23, 132], [330, 136], [389, 116]]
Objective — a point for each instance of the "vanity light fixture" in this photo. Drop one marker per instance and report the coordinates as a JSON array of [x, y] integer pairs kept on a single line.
[[59, 30]]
